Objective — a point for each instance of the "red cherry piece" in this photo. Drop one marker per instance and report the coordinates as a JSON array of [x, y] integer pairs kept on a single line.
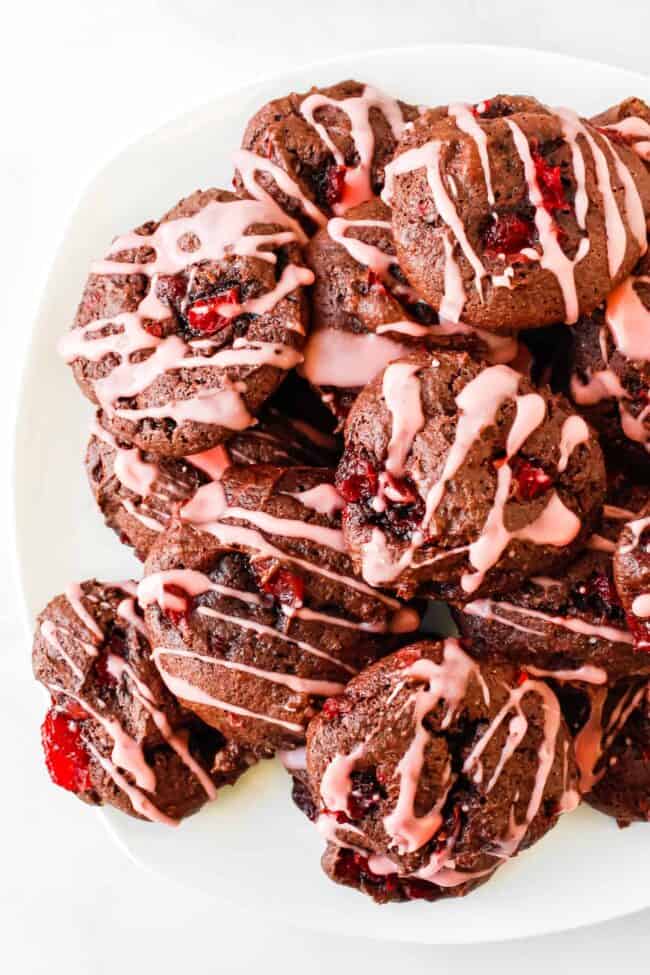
[[154, 328], [102, 675], [361, 485], [75, 711], [205, 316], [482, 108], [365, 794], [66, 758], [522, 677], [334, 184], [640, 630], [530, 481], [603, 587], [177, 604], [376, 282], [285, 586], [334, 707], [508, 234], [549, 180]]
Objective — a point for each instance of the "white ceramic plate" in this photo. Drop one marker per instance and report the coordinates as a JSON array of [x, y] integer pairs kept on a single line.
[[252, 847]]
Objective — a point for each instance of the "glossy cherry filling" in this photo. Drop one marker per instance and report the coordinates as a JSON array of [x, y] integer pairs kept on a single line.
[[285, 586], [179, 606], [529, 480], [66, 757], [204, 316], [509, 233], [353, 868]]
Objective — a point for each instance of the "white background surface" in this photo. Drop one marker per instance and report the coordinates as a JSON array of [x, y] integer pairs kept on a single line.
[[78, 81]]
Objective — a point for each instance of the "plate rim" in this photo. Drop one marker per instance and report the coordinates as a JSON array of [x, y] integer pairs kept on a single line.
[[100, 168]]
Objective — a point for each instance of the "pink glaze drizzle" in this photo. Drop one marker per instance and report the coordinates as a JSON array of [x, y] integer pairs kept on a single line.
[[333, 357], [357, 182], [629, 319], [219, 229], [488, 609], [186, 691], [248, 164], [300, 685], [448, 682]]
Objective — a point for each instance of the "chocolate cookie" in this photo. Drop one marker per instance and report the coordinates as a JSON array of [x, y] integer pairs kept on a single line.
[[628, 124], [253, 609], [322, 152], [623, 789], [609, 370], [364, 312], [509, 216], [189, 325], [632, 574], [429, 772], [570, 624], [114, 735], [460, 481], [138, 492], [595, 716]]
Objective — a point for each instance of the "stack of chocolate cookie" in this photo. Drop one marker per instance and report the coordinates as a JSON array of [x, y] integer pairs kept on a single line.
[[407, 359]]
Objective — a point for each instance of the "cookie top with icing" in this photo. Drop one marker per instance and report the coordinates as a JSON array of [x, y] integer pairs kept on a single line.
[[510, 215], [435, 770], [365, 313], [632, 573], [461, 480], [114, 734], [138, 491], [320, 153], [569, 624], [254, 611], [189, 324]]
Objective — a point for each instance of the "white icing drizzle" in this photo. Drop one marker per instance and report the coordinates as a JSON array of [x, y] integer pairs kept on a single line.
[[628, 319], [186, 691], [50, 633], [466, 122], [300, 685], [75, 594], [550, 254], [154, 589], [574, 432]]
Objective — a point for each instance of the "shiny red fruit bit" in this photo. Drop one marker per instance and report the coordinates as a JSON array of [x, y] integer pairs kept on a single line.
[[604, 588], [285, 586], [334, 707], [102, 674], [376, 282], [549, 180], [361, 485], [529, 480], [334, 184], [176, 604], [66, 758], [640, 631], [204, 314], [509, 233]]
